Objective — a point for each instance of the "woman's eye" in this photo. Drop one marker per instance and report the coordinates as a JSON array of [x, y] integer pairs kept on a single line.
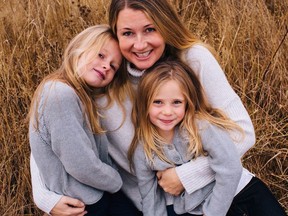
[[128, 33], [150, 29]]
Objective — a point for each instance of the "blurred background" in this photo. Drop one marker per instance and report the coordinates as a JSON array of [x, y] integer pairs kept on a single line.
[[249, 36]]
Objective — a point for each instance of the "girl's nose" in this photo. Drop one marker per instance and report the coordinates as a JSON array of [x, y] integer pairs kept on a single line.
[[106, 66], [167, 110]]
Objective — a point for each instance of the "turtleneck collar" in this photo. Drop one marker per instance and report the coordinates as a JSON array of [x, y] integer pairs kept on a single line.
[[133, 71]]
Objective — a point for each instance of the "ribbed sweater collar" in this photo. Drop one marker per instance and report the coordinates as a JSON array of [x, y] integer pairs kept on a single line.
[[133, 71]]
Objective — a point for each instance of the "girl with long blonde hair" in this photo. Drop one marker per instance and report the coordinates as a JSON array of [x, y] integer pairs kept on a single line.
[[175, 124], [67, 140]]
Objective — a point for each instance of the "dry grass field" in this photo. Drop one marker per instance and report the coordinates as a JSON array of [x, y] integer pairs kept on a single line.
[[249, 35]]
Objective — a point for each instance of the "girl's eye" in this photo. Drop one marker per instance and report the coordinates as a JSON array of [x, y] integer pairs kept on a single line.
[[157, 102], [150, 29], [177, 102], [113, 67], [101, 55]]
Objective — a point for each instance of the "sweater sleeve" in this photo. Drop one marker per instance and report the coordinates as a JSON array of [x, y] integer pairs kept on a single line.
[[195, 175], [225, 162], [43, 198], [153, 200], [73, 144]]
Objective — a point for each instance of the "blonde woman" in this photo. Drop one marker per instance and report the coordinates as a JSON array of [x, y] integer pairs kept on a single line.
[[174, 125]]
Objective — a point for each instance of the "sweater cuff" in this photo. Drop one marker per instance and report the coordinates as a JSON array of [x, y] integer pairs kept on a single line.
[[43, 198], [195, 174], [48, 204]]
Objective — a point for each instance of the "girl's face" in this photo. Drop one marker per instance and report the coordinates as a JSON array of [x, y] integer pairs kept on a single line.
[[100, 69], [139, 41], [167, 108]]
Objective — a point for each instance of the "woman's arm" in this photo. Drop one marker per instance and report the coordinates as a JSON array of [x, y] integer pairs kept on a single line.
[[196, 174], [50, 202]]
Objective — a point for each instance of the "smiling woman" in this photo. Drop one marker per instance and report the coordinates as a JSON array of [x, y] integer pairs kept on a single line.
[[140, 43]]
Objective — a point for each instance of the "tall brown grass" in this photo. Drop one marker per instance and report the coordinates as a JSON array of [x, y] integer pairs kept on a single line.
[[250, 36]]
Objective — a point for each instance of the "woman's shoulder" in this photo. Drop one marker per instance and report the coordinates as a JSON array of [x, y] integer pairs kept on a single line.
[[198, 51]]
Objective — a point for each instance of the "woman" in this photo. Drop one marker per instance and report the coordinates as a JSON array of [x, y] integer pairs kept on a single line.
[[154, 34]]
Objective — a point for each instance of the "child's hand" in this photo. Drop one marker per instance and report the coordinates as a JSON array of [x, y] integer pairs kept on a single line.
[[68, 207], [170, 182]]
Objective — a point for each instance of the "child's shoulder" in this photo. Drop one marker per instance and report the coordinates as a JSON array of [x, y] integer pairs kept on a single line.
[[58, 88], [205, 127]]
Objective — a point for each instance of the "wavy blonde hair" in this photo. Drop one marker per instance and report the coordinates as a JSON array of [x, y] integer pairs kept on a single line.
[[176, 35], [197, 107], [90, 39]]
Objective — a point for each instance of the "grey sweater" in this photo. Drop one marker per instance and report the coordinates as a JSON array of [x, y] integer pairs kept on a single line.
[[192, 175], [72, 161], [214, 198]]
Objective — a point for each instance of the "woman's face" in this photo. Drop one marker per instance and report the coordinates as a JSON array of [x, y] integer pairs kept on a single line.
[[139, 41]]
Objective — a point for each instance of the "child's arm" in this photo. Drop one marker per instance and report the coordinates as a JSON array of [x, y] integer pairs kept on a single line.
[[66, 123], [153, 200], [225, 162], [71, 141]]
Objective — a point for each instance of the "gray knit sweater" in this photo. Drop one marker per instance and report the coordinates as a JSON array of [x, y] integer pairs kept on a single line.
[[192, 175], [72, 161], [214, 198]]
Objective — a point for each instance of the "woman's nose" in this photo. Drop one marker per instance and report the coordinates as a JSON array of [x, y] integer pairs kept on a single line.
[[140, 43]]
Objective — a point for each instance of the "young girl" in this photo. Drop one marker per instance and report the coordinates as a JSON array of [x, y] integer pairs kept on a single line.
[[175, 124], [66, 139]]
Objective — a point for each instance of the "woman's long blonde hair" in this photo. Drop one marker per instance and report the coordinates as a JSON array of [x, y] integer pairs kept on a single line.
[[176, 35], [89, 40], [197, 107]]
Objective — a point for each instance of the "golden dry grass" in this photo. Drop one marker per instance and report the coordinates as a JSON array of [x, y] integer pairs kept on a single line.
[[250, 36]]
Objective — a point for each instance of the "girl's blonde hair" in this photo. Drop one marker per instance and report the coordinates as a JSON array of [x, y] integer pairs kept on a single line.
[[89, 40], [197, 107]]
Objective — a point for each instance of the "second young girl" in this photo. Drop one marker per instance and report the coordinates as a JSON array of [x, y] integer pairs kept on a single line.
[[67, 141], [174, 125]]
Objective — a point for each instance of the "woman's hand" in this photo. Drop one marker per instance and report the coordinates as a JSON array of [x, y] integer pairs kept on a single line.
[[170, 182], [68, 206]]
